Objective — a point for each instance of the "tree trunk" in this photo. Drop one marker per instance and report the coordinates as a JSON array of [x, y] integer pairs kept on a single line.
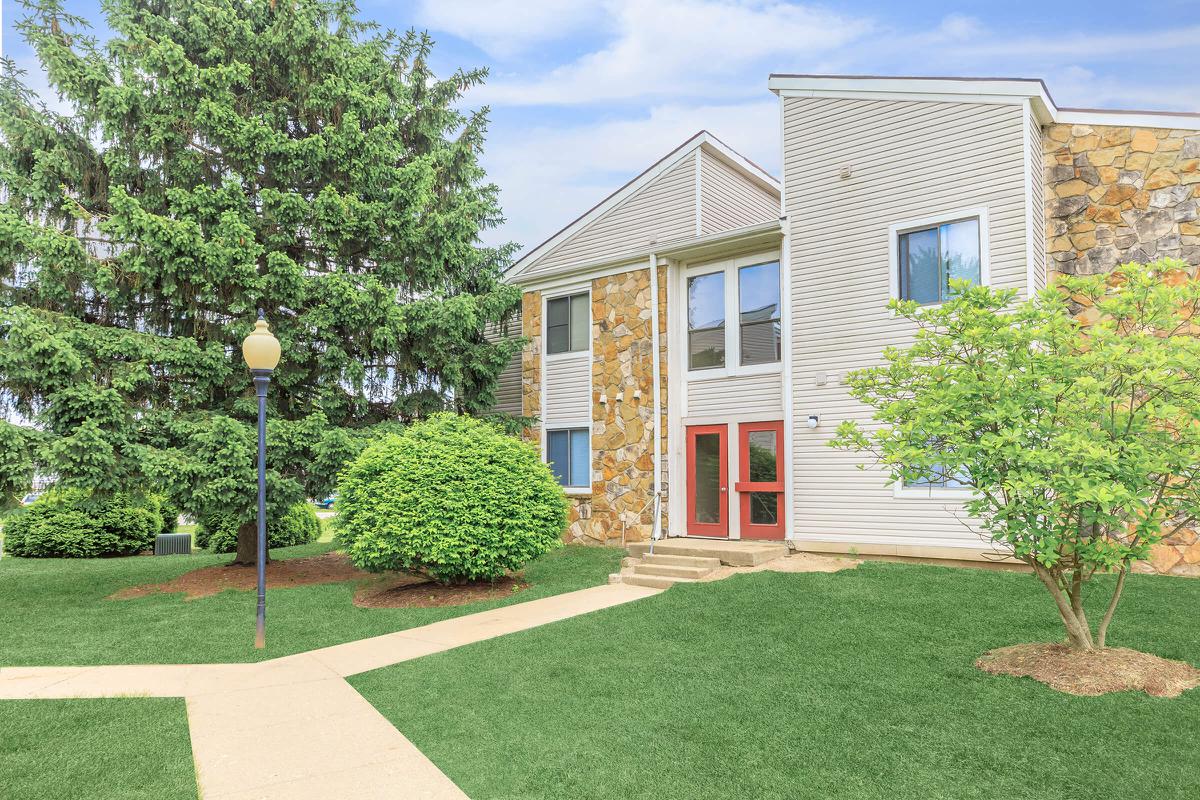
[[247, 546], [1079, 635], [1102, 632]]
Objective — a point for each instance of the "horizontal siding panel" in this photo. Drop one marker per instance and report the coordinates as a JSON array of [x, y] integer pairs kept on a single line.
[[508, 385], [728, 200], [736, 395], [663, 210], [568, 388], [909, 160]]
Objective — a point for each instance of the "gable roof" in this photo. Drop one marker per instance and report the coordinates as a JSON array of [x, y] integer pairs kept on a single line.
[[703, 140]]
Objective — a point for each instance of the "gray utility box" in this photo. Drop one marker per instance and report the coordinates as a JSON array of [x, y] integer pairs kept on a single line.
[[173, 544]]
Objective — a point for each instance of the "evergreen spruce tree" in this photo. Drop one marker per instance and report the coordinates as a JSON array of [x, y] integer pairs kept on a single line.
[[221, 157]]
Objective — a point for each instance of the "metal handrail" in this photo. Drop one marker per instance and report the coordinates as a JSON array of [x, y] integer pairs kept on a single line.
[[656, 531]]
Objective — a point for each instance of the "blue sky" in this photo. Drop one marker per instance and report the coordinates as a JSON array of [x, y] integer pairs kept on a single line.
[[586, 94]]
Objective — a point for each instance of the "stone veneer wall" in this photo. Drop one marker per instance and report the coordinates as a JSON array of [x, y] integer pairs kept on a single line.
[[1120, 194], [620, 507]]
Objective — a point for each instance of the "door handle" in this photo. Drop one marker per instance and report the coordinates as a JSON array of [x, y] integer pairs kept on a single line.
[[723, 489]]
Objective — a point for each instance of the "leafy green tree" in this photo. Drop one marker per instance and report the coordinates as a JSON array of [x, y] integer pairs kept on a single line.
[[1078, 436], [221, 157]]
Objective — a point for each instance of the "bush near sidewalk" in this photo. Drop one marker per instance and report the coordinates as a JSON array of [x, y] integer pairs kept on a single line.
[[73, 524], [452, 497]]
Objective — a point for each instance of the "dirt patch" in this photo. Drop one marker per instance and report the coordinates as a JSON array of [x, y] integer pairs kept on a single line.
[[1091, 673], [285, 573], [413, 592], [793, 562]]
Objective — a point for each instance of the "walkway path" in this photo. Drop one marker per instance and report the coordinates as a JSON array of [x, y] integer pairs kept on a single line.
[[263, 731]]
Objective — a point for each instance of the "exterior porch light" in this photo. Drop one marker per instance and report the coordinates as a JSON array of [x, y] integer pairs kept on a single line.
[[261, 351]]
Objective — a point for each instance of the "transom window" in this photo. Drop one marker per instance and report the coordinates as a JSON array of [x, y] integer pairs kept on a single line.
[[752, 293], [568, 324], [569, 453], [930, 257]]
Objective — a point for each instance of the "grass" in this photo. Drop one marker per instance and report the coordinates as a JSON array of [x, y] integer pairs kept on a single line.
[[121, 749], [858, 684], [55, 611]]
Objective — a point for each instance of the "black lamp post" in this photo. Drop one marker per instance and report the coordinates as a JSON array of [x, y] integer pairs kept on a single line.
[[261, 351]]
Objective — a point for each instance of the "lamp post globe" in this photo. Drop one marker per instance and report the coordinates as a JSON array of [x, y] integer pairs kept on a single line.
[[261, 351]]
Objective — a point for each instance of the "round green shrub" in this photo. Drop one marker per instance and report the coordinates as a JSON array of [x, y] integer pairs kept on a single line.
[[452, 497], [297, 525], [70, 524], [170, 514]]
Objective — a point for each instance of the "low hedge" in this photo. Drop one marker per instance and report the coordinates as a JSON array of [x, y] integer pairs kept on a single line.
[[298, 525], [451, 497], [72, 524]]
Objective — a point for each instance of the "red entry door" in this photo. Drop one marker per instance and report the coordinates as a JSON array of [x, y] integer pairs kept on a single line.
[[707, 480], [760, 480]]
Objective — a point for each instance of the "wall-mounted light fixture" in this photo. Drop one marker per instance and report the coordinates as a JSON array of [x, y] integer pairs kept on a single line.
[[813, 420]]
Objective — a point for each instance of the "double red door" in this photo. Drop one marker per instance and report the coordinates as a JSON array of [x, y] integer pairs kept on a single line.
[[758, 492]]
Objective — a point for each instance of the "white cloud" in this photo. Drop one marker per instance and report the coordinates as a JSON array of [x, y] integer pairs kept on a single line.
[[685, 48], [504, 28], [550, 175]]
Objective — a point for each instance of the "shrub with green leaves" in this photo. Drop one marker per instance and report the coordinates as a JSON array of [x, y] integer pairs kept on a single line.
[[298, 525], [451, 497], [1077, 436], [72, 524]]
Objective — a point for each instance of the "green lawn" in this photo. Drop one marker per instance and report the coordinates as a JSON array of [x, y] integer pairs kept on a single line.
[[54, 611], [858, 684], [123, 749]]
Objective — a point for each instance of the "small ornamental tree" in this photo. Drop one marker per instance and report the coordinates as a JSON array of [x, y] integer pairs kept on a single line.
[[1078, 436], [214, 159], [453, 498]]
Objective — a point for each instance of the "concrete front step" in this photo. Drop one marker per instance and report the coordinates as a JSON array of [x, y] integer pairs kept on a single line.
[[671, 571], [733, 553], [652, 581], [680, 561]]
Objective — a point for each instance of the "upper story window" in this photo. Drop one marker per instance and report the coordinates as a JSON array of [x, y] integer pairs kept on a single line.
[[706, 321], [930, 257], [758, 300], [567, 324], [746, 292]]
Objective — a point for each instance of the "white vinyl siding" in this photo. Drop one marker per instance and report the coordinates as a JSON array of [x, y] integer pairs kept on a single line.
[[906, 160], [728, 200], [568, 390], [1037, 208], [508, 386], [735, 397], [664, 210]]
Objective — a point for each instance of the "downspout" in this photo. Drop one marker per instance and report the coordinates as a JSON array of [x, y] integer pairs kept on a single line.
[[656, 393]]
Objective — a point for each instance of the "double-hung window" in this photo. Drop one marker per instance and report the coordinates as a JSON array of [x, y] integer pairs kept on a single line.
[[567, 324], [931, 256], [747, 291], [569, 452]]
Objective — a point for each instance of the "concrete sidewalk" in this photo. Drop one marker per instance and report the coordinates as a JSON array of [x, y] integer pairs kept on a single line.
[[263, 730]]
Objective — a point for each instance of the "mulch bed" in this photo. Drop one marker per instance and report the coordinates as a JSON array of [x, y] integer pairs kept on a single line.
[[1091, 673], [409, 592], [375, 591]]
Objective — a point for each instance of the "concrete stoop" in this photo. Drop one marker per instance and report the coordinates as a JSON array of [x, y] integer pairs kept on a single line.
[[690, 560]]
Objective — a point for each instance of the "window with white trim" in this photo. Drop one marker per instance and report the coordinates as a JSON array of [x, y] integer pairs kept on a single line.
[[568, 324], [747, 292], [930, 257], [569, 454]]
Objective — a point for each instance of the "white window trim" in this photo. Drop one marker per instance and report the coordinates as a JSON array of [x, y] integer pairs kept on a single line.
[[902, 492], [733, 329], [571, 491], [566, 291], [907, 226]]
